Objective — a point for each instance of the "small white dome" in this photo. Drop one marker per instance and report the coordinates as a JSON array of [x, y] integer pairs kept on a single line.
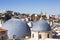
[[41, 26]]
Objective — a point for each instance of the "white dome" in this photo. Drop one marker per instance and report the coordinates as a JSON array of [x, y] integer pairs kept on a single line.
[[16, 27], [41, 26]]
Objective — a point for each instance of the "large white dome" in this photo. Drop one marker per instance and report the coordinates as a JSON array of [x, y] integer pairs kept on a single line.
[[16, 27]]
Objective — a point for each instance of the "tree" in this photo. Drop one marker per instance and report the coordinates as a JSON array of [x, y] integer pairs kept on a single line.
[[7, 16]]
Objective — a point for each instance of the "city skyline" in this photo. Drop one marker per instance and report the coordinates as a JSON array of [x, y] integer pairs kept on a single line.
[[31, 6]]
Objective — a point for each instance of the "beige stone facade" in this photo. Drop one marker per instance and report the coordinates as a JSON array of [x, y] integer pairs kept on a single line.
[[40, 35]]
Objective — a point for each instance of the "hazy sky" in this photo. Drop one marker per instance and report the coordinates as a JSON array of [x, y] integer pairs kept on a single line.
[[31, 6]]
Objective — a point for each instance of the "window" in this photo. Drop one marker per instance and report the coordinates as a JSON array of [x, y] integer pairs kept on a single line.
[[48, 36], [14, 36], [2, 38], [39, 36], [32, 35]]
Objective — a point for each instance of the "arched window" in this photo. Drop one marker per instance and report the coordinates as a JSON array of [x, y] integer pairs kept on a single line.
[[32, 35], [48, 36], [2, 37], [14, 36], [39, 36]]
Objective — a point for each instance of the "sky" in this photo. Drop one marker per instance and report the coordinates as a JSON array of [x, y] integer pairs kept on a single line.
[[31, 6]]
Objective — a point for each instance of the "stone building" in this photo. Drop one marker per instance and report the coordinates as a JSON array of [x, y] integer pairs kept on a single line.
[[41, 30]]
